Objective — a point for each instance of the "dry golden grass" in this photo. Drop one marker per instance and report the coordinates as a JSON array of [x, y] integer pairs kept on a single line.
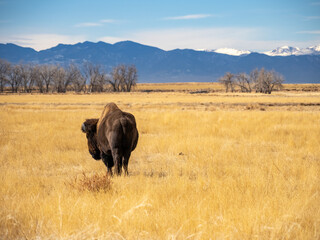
[[192, 86], [216, 87], [207, 166]]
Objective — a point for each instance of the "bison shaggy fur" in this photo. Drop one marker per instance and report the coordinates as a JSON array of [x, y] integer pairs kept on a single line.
[[112, 137]]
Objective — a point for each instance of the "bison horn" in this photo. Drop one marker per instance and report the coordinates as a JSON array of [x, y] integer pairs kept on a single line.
[[83, 128]]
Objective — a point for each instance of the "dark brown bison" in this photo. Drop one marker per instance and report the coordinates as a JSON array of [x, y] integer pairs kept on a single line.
[[112, 137]]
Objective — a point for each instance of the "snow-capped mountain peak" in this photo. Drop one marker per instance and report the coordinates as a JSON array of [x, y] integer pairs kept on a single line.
[[229, 51], [314, 48], [280, 51], [288, 51], [283, 51], [232, 51]]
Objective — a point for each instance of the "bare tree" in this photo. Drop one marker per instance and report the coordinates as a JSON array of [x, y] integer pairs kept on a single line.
[[244, 82], [58, 80], [267, 81], [228, 81], [26, 78], [123, 78], [75, 78], [15, 78], [101, 82], [118, 75], [39, 79], [34, 78], [4, 71], [95, 76], [131, 78], [261, 80], [47, 73], [271, 81], [47, 78], [79, 83], [254, 74]]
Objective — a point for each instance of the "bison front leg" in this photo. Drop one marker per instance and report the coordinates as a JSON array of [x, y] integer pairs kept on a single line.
[[108, 161], [117, 157]]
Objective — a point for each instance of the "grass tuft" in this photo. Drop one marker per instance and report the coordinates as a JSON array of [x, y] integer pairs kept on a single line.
[[93, 183]]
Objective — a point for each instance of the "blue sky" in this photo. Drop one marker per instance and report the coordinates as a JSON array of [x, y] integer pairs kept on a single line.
[[202, 24]]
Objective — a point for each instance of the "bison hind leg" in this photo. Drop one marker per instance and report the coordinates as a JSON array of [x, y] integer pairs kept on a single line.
[[126, 157], [117, 157], [108, 161]]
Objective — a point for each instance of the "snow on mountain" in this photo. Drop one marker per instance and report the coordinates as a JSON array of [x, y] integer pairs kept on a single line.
[[283, 51], [288, 51], [230, 51], [280, 51], [314, 50]]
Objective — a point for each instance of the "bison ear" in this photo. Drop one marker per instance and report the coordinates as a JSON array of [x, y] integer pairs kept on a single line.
[[83, 128]]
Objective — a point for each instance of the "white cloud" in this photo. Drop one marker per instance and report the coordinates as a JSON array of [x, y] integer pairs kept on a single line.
[[88, 24], [95, 24], [107, 20], [41, 41], [188, 17]]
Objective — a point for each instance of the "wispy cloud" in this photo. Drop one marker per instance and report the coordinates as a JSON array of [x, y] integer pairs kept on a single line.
[[41, 41], [315, 3], [95, 24], [88, 24], [309, 32], [188, 17], [107, 21]]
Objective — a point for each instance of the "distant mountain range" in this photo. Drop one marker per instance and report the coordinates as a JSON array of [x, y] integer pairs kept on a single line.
[[179, 65]]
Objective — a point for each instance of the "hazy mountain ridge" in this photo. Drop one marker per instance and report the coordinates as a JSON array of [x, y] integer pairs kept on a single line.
[[157, 65]]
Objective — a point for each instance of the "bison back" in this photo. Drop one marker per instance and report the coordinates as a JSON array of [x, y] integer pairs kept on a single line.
[[118, 130]]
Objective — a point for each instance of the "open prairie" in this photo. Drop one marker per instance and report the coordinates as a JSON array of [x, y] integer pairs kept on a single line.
[[207, 166]]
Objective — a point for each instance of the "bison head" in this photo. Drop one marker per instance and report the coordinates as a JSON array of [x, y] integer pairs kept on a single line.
[[89, 127]]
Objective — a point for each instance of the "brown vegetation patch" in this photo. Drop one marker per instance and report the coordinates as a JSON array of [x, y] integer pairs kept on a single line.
[[93, 183]]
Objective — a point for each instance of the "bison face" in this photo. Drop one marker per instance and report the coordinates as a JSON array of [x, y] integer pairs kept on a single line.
[[89, 127]]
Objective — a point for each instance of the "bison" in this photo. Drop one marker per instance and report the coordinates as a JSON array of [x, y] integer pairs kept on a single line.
[[112, 137]]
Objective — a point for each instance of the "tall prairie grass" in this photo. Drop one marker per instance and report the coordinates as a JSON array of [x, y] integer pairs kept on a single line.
[[210, 166]]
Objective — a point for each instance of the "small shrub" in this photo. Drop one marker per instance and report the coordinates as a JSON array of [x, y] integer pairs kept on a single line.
[[94, 183]]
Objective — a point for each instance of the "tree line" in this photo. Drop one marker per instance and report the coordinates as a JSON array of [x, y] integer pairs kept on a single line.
[[54, 78], [261, 81]]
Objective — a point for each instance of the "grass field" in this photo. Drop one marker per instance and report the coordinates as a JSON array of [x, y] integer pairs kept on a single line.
[[207, 166]]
